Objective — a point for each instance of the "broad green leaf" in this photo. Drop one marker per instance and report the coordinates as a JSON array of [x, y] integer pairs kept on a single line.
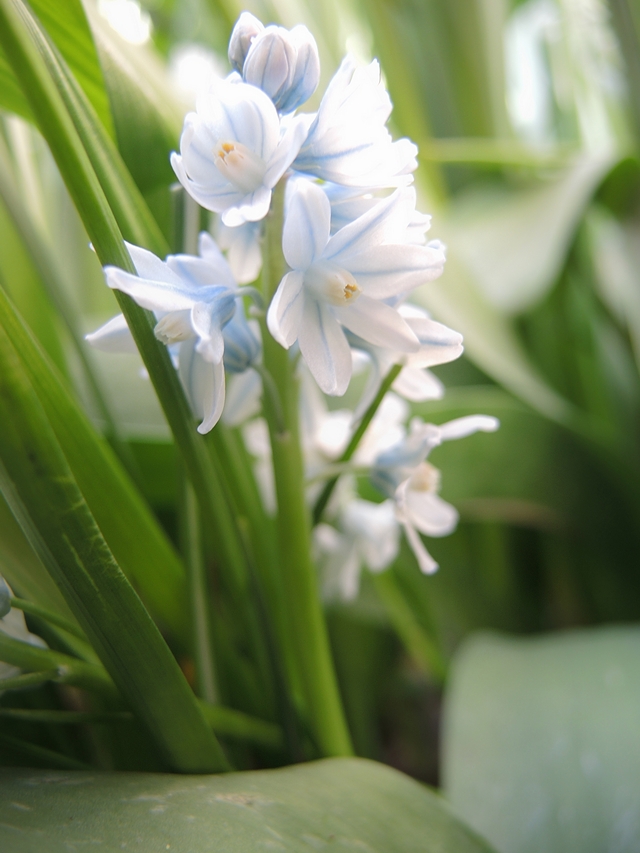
[[337, 804], [514, 242], [43, 495], [66, 23], [541, 749]]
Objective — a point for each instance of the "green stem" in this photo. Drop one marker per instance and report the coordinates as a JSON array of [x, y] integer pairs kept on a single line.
[[306, 626], [325, 495], [418, 643], [47, 756], [198, 599], [48, 616], [89, 676]]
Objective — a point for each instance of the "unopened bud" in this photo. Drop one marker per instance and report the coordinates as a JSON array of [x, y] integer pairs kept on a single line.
[[284, 64], [246, 29]]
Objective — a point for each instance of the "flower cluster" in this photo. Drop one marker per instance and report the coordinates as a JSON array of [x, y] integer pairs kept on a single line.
[[356, 248]]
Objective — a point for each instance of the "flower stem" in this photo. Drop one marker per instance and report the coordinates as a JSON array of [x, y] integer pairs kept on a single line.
[[368, 416], [305, 620]]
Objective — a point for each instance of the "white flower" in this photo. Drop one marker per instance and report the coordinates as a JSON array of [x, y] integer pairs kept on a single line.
[[369, 536], [284, 64], [402, 473], [342, 279], [348, 142], [193, 298], [233, 151]]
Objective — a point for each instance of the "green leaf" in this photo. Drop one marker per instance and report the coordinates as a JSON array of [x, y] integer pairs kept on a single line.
[[341, 804], [514, 242], [66, 23], [147, 118], [541, 747], [39, 486], [147, 558], [129, 207]]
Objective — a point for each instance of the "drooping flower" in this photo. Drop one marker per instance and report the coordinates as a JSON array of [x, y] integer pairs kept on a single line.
[[193, 299], [233, 151], [343, 279], [348, 142], [403, 474]]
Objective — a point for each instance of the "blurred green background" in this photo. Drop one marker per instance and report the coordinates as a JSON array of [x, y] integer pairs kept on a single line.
[[527, 117]]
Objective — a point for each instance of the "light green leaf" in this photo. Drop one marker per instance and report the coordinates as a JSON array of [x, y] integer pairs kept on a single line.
[[514, 242], [147, 116], [541, 749], [66, 23], [337, 804], [147, 557], [39, 486], [489, 338]]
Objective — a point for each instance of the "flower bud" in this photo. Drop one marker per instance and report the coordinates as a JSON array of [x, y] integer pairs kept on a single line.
[[246, 29], [284, 64], [5, 598], [241, 346]]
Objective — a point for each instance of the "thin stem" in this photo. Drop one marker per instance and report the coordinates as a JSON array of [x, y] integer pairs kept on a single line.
[[198, 599], [48, 616], [385, 385], [418, 643], [307, 631], [47, 756]]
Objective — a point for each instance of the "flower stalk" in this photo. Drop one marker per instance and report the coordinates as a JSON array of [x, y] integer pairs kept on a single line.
[[306, 626]]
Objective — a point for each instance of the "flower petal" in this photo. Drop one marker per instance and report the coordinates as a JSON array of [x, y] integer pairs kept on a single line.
[[425, 561], [429, 513], [378, 323], [392, 270], [306, 225], [461, 427], [418, 385], [204, 385], [155, 295], [285, 312], [384, 222], [114, 336], [324, 347]]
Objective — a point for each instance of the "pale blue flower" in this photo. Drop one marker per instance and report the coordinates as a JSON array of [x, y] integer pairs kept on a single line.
[[234, 150], [368, 535], [348, 141], [403, 474], [193, 299], [343, 279]]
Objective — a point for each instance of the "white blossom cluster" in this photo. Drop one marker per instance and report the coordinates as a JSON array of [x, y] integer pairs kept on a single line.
[[355, 245]]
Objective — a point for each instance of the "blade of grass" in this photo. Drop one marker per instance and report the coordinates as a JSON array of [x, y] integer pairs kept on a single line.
[[44, 496]]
